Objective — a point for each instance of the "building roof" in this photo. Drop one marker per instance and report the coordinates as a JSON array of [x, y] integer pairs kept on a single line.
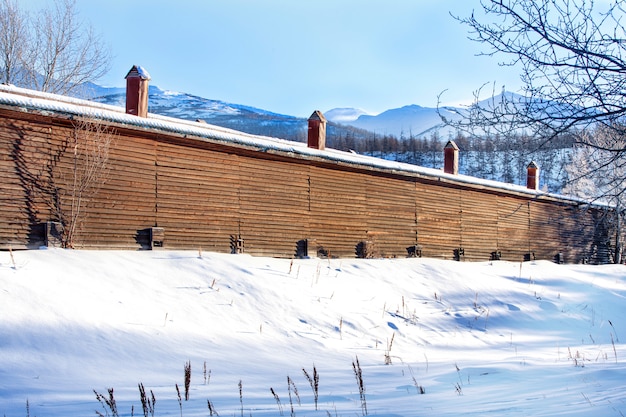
[[30, 101]]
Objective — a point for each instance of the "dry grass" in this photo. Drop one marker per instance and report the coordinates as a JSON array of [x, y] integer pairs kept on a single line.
[[358, 374]]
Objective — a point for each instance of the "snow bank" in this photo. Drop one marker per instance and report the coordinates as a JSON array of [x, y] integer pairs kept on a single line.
[[494, 338]]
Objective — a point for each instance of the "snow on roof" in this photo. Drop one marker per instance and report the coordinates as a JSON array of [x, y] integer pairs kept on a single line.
[[35, 101], [138, 71]]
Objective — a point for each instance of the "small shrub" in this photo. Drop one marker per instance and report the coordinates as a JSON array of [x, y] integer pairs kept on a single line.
[[388, 351], [291, 387], [207, 374], [180, 400]]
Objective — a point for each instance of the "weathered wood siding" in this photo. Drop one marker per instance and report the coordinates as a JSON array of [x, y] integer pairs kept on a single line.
[[438, 219], [18, 208], [391, 214], [480, 236], [513, 227], [204, 193], [126, 199], [196, 196], [273, 206], [338, 215]]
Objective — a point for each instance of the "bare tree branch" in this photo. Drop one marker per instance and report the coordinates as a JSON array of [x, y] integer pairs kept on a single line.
[[572, 60], [50, 51], [13, 41], [572, 57]]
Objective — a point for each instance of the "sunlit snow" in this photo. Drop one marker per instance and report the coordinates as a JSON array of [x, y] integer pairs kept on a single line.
[[491, 338]]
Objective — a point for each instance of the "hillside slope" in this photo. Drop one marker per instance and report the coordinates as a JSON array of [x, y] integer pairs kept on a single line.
[[233, 116]]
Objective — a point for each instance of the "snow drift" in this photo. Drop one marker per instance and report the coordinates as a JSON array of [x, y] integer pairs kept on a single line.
[[431, 337]]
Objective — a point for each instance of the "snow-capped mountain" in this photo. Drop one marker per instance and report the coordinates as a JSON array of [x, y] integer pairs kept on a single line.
[[406, 121], [411, 120], [344, 115], [234, 116], [420, 122], [403, 122], [182, 105]]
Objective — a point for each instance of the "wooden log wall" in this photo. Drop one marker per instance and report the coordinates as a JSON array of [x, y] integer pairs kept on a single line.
[[17, 206], [438, 219], [391, 215], [196, 198], [338, 216], [274, 206], [126, 198], [513, 227], [204, 194], [479, 224]]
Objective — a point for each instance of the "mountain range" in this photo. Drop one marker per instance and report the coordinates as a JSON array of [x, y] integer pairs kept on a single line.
[[402, 122]]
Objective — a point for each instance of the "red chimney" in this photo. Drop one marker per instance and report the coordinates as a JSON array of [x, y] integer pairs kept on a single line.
[[451, 158], [137, 91], [532, 179], [317, 131]]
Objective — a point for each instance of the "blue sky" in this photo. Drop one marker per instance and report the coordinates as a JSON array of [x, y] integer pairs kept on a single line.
[[296, 56]]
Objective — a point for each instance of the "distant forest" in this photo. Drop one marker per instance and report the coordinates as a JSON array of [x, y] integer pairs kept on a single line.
[[496, 158]]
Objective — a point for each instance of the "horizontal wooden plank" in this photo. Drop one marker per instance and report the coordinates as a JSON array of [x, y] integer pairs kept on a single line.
[[202, 192]]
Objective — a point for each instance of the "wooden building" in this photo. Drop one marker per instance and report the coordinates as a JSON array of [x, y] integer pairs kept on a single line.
[[177, 184]]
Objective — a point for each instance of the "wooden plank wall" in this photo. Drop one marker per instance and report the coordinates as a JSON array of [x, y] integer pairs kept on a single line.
[[23, 147], [391, 215], [197, 197], [438, 219], [274, 206], [545, 234], [124, 208], [338, 216], [513, 227], [204, 193], [480, 234]]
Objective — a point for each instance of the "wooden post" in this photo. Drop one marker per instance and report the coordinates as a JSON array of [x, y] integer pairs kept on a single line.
[[137, 91]]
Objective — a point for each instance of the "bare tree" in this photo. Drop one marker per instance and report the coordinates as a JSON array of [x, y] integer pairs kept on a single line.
[[51, 50], [571, 54], [572, 57], [13, 41], [572, 60], [608, 167], [595, 171], [88, 150], [61, 178]]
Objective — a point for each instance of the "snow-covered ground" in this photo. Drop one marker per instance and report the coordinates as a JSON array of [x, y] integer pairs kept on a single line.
[[501, 338]]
